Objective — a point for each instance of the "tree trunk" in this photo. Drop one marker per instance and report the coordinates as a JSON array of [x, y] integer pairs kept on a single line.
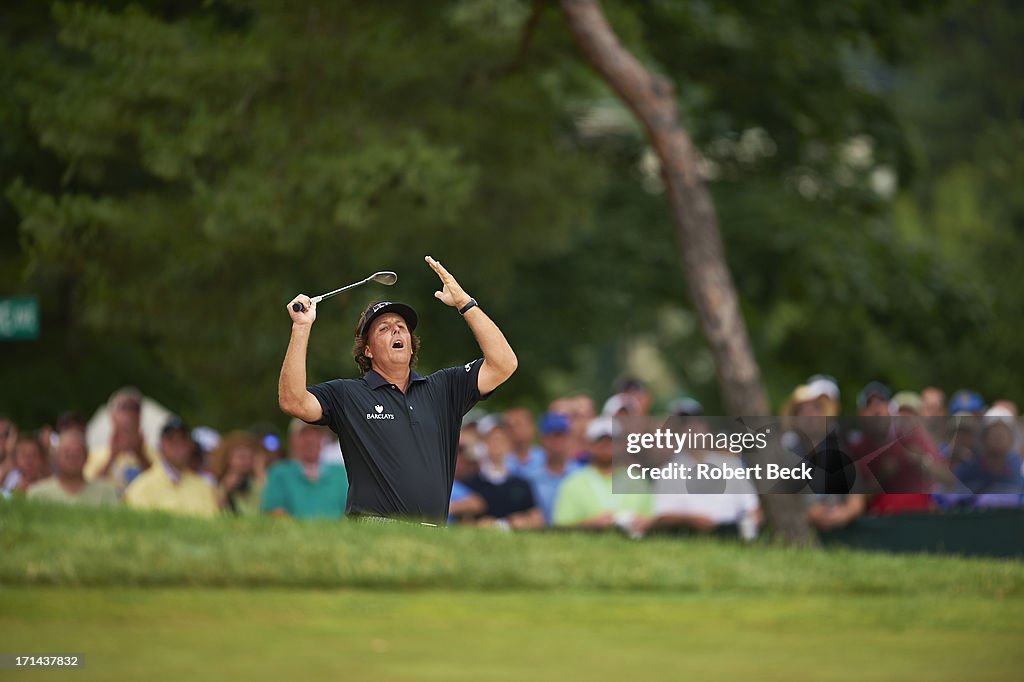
[[652, 99]]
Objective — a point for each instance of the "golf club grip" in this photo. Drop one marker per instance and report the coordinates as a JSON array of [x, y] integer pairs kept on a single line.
[[298, 307]]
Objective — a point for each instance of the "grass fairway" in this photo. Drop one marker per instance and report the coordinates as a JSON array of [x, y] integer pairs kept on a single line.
[[160, 598], [174, 634]]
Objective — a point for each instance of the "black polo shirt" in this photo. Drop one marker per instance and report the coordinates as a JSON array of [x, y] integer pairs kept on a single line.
[[400, 449]]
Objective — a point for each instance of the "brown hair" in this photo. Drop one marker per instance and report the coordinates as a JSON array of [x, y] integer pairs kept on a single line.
[[220, 455], [360, 345]]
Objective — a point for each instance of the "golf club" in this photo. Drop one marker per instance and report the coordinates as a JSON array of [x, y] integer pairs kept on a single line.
[[386, 278]]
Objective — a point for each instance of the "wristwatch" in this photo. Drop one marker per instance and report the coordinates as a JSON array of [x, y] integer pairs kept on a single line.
[[469, 306]]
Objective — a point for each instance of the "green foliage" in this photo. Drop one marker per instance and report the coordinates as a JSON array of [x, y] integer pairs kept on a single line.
[[175, 171]]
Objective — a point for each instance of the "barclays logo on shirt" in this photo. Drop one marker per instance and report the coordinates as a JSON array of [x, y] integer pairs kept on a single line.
[[379, 413]]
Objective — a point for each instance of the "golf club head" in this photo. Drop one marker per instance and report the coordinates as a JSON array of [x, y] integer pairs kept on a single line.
[[387, 278]]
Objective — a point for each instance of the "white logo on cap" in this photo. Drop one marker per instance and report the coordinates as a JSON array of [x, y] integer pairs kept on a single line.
[[380, 305]]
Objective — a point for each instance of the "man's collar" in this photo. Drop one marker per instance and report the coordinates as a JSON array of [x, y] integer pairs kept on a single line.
[[375, 381]]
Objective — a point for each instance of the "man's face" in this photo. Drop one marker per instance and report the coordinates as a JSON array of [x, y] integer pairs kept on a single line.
[[499, 445], [176, 448], [29, 459], [998, 440], [933, 403], [389, 341], [519, 422], [125, 413], [557, 445], [71, 454], [876, 407], [305, 444], [602, 450]]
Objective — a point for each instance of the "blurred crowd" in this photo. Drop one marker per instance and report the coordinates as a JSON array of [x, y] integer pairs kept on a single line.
[[521, 470]]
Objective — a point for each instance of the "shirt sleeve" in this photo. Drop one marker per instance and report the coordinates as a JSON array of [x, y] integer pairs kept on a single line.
[[329, 394], [463, 390]]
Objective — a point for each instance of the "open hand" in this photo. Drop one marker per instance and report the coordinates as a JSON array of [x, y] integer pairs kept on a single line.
[[451, 293]]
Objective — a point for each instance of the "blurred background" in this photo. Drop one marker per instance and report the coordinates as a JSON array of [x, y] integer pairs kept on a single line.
[[174, 171]]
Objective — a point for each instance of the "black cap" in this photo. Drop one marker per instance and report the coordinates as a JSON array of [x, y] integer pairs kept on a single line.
[[174, 425], [381, 307]]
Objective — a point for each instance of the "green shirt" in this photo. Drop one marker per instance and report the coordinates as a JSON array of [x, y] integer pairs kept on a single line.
[[95, 493], [587, 493], [289, 488]]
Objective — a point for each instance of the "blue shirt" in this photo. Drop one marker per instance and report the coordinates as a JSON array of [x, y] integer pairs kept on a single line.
[[459, 492], [535, 461], [980, 479], [545, 487]]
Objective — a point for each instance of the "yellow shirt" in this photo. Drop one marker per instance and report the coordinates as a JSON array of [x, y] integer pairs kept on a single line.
[[94, 494], [155, 489], [124, 469]]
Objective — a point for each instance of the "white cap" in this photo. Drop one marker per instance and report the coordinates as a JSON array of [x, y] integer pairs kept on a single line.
[[997, 415], [601, 427], [618, 402], [819, 385]]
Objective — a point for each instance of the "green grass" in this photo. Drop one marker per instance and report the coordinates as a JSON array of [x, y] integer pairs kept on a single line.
[[46, 545], [161, 598]]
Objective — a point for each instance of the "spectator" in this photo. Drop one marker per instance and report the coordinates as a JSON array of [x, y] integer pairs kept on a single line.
[[828, 511], [546, 480], [901, 463], [234, 464], [873, 400], [994, 476], [826, 389], [966, 403], [508, 499], [621, 405], [933, 402], [71, 421], [528, 457], [905, 404], [171, 485], [637, 390], [1009, 406], [585, 498], [555, 437], [464, 505], [933, 413], [126, 455], [804, 420], [676, 508], [30, 465], [68, 485], [301, 487]]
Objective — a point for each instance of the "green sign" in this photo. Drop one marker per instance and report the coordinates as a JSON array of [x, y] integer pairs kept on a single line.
[[19, 318]]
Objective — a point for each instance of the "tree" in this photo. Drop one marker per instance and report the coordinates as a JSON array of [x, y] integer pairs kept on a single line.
[[652, 100]]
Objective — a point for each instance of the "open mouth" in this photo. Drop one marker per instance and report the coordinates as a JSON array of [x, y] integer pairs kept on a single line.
[[398, 344]]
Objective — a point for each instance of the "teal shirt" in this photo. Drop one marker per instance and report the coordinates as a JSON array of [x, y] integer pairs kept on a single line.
[[289, 489]]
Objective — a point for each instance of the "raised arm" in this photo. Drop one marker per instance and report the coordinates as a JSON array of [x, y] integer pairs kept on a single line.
[[292, 396], [500, 360]]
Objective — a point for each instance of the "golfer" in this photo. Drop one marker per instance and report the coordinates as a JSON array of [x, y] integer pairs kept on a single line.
[[399, 430]]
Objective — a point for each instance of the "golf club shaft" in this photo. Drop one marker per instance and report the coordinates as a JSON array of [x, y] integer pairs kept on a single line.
[[298, 307]]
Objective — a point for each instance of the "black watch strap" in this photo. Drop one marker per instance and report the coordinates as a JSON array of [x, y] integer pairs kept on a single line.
[[469, 306]]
